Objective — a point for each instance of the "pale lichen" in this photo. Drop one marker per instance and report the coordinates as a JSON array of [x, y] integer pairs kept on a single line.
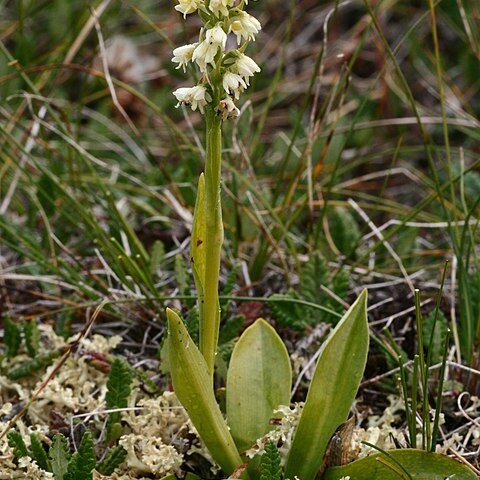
[[25, 467], [150, 455], [282, 434], [165, 418], [162, 416]]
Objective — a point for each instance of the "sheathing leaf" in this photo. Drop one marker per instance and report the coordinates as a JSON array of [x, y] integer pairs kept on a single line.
[[192, 384]]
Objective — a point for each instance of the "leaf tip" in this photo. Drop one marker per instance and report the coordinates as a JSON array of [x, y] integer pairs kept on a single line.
[[172, 315], [173, 323], [361, 301]]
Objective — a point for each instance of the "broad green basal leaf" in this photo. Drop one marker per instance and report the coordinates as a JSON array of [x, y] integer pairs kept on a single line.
[[332, 390], [258, 381], [418, 463], [193, 386]]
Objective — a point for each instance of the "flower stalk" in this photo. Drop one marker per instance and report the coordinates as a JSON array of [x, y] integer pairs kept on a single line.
[[224, 75], [210, 316]]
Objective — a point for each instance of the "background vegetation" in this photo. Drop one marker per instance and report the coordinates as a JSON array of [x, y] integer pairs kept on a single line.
[[354, 164]]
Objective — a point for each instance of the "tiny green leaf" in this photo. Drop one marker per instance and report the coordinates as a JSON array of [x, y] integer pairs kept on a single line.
[[32, 337], [270, 467], [192, 323], [313, 275], [34, 365], [83, 461], [112, 460], [118, 384], [11, 337], [332, 390], [39, 454], [114, 426], [16, 442], [435, 337], [288, 314], [59, 456], [231, 328], [227, 290], [181, 275], [157, 255], [193, 386], [147, 383], [118, 390], [258, 381], [344, 230]]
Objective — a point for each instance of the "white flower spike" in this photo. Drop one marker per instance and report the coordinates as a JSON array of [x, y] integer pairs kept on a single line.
[[222, 70]]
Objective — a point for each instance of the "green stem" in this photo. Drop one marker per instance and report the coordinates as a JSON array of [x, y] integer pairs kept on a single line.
[[213, 238]]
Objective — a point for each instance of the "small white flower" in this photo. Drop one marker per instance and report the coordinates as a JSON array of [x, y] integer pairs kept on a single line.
[[216, 36], [245, 26], [205, 52], [200, 97], [183, 94], [196, 97], [234, 83], [220, 6], [246, 67], [183, 55], [228, 109], [187, 6]]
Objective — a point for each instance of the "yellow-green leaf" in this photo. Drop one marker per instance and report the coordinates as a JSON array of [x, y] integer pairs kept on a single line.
[[193, 386], [197, 247], [258, 381], [332, 390], [418, 463]]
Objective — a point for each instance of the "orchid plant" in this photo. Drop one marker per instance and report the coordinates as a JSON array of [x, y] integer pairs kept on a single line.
[[259, 375], [224, 75]]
